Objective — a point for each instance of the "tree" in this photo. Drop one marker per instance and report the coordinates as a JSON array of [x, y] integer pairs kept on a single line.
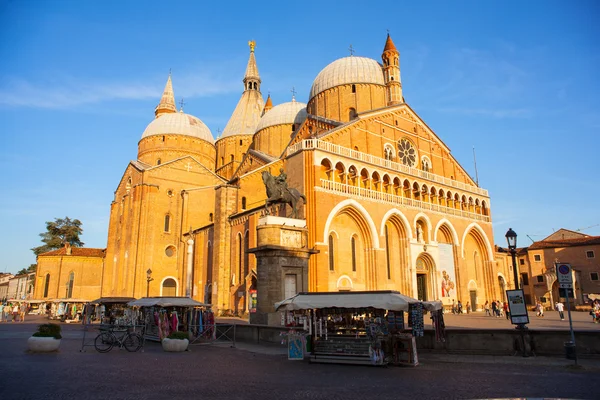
[[59, 232], [30, 269]]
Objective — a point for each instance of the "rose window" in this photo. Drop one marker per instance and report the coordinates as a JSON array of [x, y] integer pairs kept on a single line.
[[407, 153]]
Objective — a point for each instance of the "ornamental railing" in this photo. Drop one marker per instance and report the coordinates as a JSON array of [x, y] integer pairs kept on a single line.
[[312, 144], [356, 191]]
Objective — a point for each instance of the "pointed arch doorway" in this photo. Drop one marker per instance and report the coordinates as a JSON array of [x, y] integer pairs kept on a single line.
[[425, 267]]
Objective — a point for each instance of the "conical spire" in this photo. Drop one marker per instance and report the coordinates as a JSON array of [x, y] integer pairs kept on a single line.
[[389, 44], [268, 104], [252, 78], [167, 101]]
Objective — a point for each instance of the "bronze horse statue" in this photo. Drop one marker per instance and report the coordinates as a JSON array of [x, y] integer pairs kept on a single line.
[[279, 193]]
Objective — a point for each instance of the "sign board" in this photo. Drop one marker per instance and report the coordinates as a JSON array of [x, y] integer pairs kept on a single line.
[[253, 300], [517, 306], [295, 347], [564, 276]]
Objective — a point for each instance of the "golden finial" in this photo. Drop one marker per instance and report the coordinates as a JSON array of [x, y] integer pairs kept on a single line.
[[252, 45]]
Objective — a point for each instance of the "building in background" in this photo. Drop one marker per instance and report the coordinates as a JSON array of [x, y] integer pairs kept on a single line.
[[387, 205]]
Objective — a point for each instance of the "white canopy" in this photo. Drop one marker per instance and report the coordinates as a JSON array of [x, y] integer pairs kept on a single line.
[[594, 296], [166, 302], [385, 300]]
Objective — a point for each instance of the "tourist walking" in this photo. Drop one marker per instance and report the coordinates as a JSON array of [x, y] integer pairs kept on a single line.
[[1, 312], [23, 311], [459, 307], [560, 307], [486, 307], [15, 313], [540, 309], [494, 308], [506, 310], [468, 307]]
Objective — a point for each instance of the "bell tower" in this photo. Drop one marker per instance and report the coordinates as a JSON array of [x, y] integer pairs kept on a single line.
[[391, 72]]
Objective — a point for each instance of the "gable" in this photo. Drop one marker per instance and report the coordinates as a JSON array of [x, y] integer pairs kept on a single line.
[[397, 134], [185, 171], [563, 234], [251, 161]]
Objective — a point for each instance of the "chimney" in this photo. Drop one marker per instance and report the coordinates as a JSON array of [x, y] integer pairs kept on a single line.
[[68, 248]]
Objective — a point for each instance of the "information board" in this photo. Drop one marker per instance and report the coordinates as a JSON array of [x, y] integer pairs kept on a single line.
[[564, 276], [517, 306]]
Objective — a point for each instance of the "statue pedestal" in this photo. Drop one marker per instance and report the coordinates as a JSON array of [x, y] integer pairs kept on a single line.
[[281, 265]]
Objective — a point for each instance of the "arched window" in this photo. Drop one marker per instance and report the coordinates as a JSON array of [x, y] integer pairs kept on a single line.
[[425, 164], [246, 254], [331, 254], [353, 88], [243, 203], [352, 113], [241, 142], [240, 258], [167, 223], [69, 293], [210, 217], [353, 243], [255, 85], [158, 162], [169, 288], [231, 156], [46, 285], [387, 253], [222, 160]]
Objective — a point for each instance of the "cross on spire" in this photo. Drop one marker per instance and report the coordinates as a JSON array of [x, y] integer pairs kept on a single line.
[[181, 104], [293, 93], [352, 51]]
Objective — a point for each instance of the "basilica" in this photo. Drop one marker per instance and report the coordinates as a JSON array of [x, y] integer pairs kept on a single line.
[[386, 205]]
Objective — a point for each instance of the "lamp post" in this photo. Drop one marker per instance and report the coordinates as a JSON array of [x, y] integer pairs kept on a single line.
[[511, 239], [149, 279]]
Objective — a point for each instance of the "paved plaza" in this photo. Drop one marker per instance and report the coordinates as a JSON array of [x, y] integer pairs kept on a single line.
[[263, 372]]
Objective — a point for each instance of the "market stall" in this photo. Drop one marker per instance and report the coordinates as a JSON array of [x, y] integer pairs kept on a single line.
[[109, 310], [163, 315], [66, 310], [361, 327]]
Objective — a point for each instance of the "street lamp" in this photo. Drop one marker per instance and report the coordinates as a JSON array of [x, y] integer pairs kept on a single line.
[[149, 279], [511, 238]]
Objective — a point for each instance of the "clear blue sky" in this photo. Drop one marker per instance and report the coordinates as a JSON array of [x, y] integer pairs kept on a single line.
[[79, 80]]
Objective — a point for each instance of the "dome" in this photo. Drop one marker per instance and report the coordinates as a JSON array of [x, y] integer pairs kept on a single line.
[[293, 112], [180, 124], [347, 70]]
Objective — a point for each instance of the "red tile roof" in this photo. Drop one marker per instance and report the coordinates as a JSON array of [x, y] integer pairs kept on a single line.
[[550, 244], [76, 252]]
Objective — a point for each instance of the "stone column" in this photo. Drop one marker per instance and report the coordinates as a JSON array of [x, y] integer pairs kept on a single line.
[[281, 253]]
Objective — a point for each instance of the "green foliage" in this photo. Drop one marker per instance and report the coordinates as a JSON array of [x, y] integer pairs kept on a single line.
[[179, 335], [31, 268], [59, 232], [48, 330]]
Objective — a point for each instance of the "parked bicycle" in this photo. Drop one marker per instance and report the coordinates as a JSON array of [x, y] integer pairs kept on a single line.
[[106, 340]]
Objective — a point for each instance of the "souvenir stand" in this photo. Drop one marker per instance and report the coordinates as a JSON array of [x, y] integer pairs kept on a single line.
[[163, 315], [109, 310], [361, 327], [36, 307], [67, 310]]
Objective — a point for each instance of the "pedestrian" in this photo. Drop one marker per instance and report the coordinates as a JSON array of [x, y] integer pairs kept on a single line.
[[15, 313], [453, 307], [1, 312], [23, 311], [486, 307], [561, 310], [459, 307], [468, 307], [540, 309], [506, 310], [494, 308]]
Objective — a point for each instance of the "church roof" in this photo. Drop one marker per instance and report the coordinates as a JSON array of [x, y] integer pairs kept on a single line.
[[347, 70], [76, 252], [292, 112], [181, 124], [167, 101], [262, 156], [248, 111], [389, 44]]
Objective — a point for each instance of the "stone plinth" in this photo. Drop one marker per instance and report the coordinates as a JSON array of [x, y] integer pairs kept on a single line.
[[281, 260]]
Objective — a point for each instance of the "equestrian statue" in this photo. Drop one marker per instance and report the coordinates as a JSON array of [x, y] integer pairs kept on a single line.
[[279, 193]]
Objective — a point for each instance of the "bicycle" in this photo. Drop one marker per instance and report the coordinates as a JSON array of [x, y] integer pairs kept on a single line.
[[106, 340]]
